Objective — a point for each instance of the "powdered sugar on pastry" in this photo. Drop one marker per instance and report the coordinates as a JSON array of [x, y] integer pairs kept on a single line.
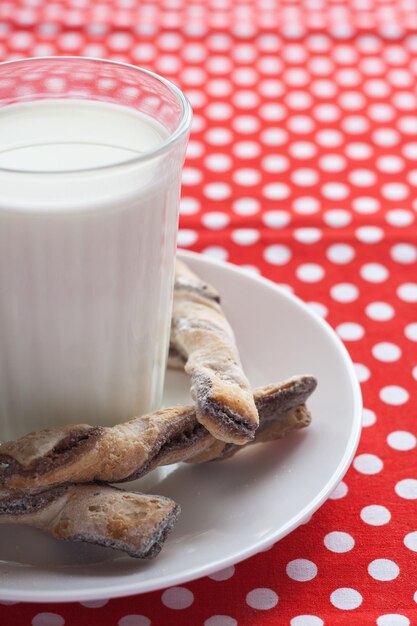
[[202, 337]]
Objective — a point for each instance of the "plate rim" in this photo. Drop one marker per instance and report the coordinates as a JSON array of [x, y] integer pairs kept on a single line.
[[162, 582]]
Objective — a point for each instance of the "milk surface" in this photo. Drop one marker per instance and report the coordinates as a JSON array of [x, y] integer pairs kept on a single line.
[[86, 264]]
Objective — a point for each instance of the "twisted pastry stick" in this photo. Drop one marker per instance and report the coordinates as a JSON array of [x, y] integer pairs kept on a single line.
[[135, 523], [202, 339], [82, 453]]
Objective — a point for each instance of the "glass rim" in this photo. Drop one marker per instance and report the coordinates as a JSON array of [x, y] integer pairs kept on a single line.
[[180, 131]]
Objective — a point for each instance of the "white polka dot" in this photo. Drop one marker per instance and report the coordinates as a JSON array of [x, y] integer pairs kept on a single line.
[[246, 206], [300, 124], [358, 150], [219, 87], [340, 253], [368, 464], [339, 492], [310, 272], [94, 604], [346, 598], [362, 372], [380, 311], [410, 541], [374, 272], [381, 112], [215, 220], [218, 136], [369, 234], [351, 100], [48, 619], [368, 418], [404, 253], [386, 352], [217, 191], [348, 77], [365, 204], [247, 149], [308, 235], [275, 163], [338, 541], [218, 162], [410, 331], [344, 292], [375, 515], [277, 254], [326, 113], [306, 620], [272, 112], [405, 100], [274, 136], [189, 206], [306, 205], [223, 574], [408, 125], [276, 191], [304, 177], [194, 76], [395, 191], [220, 620], [410, 150], [302, 150], [332, 163], [298, 100], [390, 163], [191, 176], [296, 77], [245, 99], [245, 236], [335, 191], [134, 620], [177, 598], [194, 149], [318, 308], [219, 111], [362, 178], [407, 489], [246, 177], [329, 138], [407, 292], [414, 372], [245, 124], [262, 599], [301, 570], [251, 269], [355, 124], [337, 218], [276, 219], [350, 331], [383, 569], [394, 395], [402, 440], [392, 619], [198, 124], [386, 137], [186, 237]]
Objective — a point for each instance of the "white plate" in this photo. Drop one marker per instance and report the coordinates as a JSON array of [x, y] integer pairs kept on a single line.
[[232, 509]]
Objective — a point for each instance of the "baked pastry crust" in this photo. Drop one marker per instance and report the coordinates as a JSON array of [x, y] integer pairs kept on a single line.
[[135, 523], [203, 341], [81, 453]]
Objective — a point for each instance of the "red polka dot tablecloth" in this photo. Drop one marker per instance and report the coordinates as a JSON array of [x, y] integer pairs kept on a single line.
[[302, 166]]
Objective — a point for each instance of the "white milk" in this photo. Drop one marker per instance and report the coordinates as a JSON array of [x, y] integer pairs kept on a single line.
[[85, 264]]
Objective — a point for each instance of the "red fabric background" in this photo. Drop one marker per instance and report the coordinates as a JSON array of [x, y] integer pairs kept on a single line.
[[275, 87]]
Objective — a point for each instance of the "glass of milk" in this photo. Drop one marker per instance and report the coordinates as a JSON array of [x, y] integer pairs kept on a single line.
[[91, 153]]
